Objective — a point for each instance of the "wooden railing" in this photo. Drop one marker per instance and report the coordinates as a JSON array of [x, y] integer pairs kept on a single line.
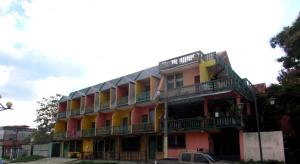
[[89, 109], [59, 135], [121, 101], [61, 115], [121, 130], [104, 131], [203, 124], [75, 112], [142, 128], [143, 97], [88, 132], [181, 60]]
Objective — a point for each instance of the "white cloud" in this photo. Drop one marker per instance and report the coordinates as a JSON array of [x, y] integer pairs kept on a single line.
[[5, 73]]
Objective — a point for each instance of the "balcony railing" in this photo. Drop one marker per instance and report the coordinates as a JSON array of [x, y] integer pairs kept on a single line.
[[121, 130], [181, 60], [104, 131], [59, 135], [75, 112], [143, 97], [201, 88], [203, 124], [74, 134], [104, 105], [61, 115], [89, 109], [121, 101], [88, 132], [142, 128]]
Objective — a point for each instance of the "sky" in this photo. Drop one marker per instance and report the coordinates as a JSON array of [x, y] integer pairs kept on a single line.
[[60, 46]]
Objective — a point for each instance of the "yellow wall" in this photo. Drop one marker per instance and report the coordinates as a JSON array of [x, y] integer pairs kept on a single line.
[[159, 112], [59, 126], [87, 145], [118, 116], [204, 74], [138, 87], [153, 82], [86, 122], [75, 104]]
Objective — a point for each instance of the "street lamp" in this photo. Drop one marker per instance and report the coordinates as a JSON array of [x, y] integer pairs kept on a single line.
[[8, 105]]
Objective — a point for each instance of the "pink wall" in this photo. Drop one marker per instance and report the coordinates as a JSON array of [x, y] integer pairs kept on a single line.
[[72, 124], [138, 112], [101, 118], [193, 142], [90, 100], [241, 140], [62, 106], [122, 91], [188, 76]]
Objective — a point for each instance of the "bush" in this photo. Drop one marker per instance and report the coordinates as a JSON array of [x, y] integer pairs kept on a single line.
[[28, 158]]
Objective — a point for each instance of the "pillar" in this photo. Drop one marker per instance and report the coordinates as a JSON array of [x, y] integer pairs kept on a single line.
[[206, 113], [241, 141], [165, 149]]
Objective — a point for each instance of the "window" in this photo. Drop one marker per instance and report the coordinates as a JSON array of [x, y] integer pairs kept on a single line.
[[200, 158], [75, 146], [177, 141], [160, 143], [107, 123], [78, 125], [186, 157], [131, 144], [170, 81], [179, 80], [144, 118]]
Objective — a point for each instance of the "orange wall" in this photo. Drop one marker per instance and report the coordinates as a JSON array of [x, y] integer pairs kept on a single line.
[[137, 114], [101, 118], [188, 76], [193, 141]]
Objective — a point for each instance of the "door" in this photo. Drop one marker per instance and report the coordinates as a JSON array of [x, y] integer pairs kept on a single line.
[[113, 149], [125, 125], [151, 115], [66, 149], [55, 150], [152, 148]]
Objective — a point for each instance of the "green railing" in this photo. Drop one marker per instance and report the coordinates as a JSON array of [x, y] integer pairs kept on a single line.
[[143, 97], [104, 131], [104, 105], [121, 130], [61, 115], [142, 128], [121, 101], [203, 124], [88, 132], [75, 112], [59, 135], [89, 109]]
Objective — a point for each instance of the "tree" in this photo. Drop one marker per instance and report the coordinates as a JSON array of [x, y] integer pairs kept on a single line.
[[289, 40], [47, 109]]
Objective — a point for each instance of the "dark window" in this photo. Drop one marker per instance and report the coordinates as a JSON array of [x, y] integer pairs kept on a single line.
[[200, 158], [159, 143], [186, 157], [107, 123], [131, 144], [179, 80], [170, 81], [65, 128], [78, 125], [144, 118], [93, 125], [75, 146], [176, 141]]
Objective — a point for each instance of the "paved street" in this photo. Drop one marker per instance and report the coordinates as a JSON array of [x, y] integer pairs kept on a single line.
[[51, 161]]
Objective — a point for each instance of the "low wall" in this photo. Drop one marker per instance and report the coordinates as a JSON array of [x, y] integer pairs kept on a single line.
[[41, 150], [272, 146]]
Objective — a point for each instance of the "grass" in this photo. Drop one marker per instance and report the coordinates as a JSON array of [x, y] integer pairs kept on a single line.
[[27, 158], [91, 162]]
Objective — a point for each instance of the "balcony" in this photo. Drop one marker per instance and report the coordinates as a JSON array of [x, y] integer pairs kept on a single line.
[[203, 88], [143, 97], [89, 109], [191, 124], [88, 132], [74, 134], [75, 112], [59, 135], [61, 115], [122, 101], [181, 60], [104, 105], [121, 130], [142, 128], [104, 131]]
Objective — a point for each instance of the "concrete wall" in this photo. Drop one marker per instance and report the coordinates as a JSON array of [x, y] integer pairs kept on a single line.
[[272, 146], [41, 150]]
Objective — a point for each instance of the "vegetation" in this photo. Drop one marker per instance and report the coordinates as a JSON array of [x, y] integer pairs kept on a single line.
[[27, 158], [94, 162], [47, 109]]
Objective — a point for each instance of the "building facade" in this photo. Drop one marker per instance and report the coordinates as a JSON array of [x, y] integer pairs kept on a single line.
[[12, 138], [186, 103]]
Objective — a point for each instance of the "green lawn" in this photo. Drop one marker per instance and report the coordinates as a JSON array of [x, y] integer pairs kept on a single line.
[[27, 158]]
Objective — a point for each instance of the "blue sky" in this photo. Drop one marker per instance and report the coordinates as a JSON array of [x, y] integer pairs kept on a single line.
[[58, 46]]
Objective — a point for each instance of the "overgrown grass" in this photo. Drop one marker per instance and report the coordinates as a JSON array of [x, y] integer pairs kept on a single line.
[[27, 158]]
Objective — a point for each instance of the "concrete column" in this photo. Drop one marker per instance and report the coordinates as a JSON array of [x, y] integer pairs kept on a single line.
[[165, 149], [206, 113], [241, 141]]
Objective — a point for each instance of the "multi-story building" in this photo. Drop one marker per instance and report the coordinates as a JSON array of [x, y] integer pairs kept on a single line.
[[186, 103], [12, 138]]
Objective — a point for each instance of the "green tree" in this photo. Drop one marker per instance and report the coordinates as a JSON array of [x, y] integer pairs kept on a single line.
[[46, 111], [289, 40]]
